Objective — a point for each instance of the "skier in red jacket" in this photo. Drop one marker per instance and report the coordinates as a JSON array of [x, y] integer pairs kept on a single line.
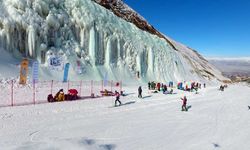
[[184, 104], [159, 86], [117, 96]]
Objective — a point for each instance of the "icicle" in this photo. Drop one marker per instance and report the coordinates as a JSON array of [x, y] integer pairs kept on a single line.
[[31, 41], [118, 48], [108, 52], [151, 61], [82, 40], [138, 63], [92, 45], [1, 38]]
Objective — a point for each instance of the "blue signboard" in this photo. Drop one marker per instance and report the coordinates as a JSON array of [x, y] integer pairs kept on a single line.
[[35, 73]]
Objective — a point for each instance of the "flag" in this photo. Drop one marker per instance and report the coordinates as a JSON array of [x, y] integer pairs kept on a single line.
[[24, 71], [35, 74], [66, 72]]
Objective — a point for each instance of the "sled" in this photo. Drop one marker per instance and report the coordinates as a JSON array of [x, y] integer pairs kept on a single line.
[[107, 93], [71, 95]]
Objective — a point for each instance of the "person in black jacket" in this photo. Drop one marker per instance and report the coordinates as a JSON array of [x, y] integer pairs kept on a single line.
[[139, 92], [149, 85]]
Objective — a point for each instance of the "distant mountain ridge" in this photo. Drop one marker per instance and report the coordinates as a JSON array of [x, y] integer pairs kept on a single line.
[[232, 67]]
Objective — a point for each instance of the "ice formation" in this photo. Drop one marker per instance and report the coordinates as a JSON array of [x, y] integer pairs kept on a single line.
[[84, 31]]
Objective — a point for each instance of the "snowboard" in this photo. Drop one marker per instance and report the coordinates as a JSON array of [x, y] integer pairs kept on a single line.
[[115, 106], [123, 104], [188, 107]]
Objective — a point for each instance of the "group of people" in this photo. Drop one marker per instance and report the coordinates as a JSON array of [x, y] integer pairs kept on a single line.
[[222, 87], [157, 87], [60, 96], [153, 86]]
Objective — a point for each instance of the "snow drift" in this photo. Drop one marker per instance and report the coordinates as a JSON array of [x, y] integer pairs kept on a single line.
[[95, 41]]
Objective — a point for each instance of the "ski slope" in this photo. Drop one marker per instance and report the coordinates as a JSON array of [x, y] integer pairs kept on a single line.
[[216, 120]]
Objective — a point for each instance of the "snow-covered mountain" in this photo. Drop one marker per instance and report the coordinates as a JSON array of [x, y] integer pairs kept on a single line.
[[97, 41]]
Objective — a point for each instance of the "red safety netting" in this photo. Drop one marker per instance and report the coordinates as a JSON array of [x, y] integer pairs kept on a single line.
[[14, 94]]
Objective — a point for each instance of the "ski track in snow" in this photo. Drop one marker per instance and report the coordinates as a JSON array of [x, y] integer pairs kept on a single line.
[[216, 120]]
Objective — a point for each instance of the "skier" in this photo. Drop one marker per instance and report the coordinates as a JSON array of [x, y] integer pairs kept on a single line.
[[117, 96], [184, 104], [139, 92], [204, 85]]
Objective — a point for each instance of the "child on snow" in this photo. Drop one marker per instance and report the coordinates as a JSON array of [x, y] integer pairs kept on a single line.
[[139, 92], [117, 96], [184, 104], [60, 95]]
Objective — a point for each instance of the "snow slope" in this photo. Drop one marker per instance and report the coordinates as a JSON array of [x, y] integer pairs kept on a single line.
[[216, 120], [83, 31]]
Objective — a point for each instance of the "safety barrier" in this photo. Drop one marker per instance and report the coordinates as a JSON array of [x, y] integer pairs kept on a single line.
[[14, 94]]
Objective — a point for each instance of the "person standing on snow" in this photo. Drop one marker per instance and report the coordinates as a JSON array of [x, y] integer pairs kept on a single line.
[[159, 86], [140, 92], [184, 104], [117, 96], [60, 95], [149, 85]]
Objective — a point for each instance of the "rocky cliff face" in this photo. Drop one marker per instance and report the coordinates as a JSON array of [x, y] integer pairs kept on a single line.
[[120, 9], [199, 63]]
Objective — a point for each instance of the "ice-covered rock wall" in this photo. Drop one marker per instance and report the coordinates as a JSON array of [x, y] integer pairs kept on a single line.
[[84, 31]]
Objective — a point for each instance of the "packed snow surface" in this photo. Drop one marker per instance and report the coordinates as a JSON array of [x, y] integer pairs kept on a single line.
[[216, 120]]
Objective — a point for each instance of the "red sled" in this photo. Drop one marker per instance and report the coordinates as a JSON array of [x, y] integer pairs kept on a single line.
[[72, 95]]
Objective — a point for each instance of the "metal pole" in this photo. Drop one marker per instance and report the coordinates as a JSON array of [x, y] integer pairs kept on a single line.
[[51, 91], [91, 87], [111, 85], [34, 93], [68, 85], [120, 86], [102, 84], [80, 92], [12, 93]]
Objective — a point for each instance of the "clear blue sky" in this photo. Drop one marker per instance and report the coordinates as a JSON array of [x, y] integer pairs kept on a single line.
[[212, 27]]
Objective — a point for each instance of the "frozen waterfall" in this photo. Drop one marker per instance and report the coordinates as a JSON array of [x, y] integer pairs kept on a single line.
[[86, 32]]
